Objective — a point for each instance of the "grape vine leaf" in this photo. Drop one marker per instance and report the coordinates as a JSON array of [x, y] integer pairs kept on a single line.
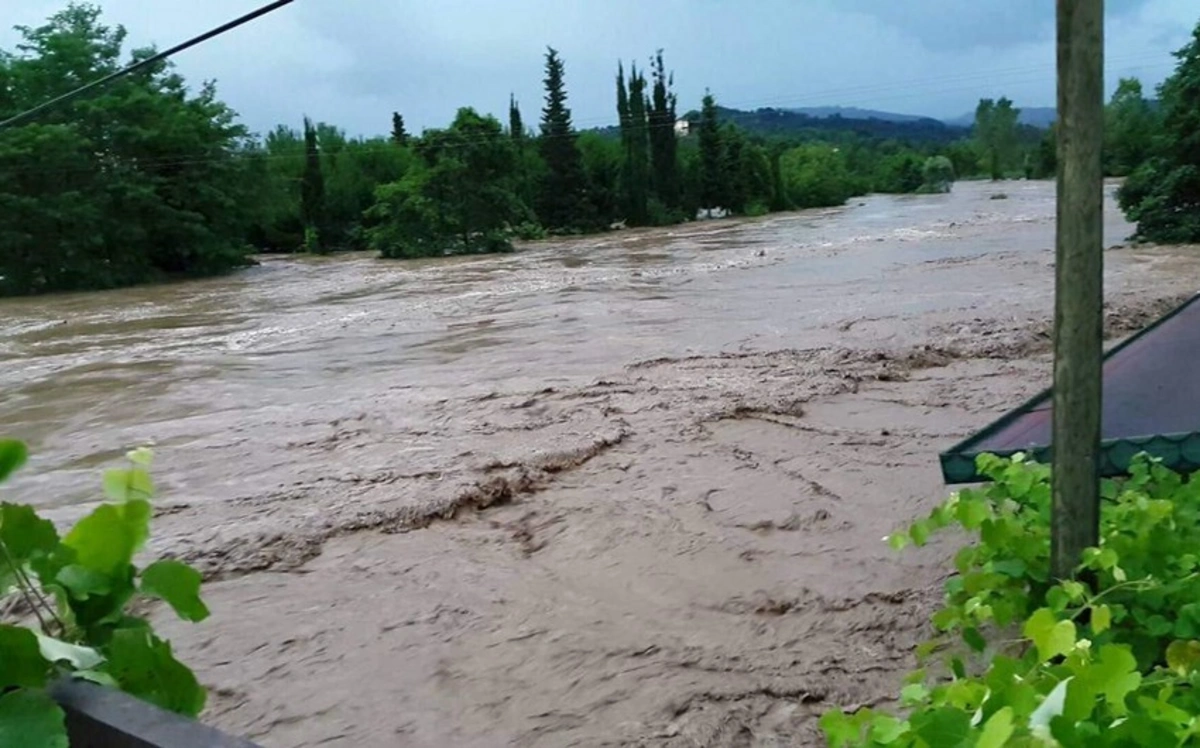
[[82, 582], [56, 650], [21, 661], [179, 585], [31, 719], [997, 730], [945, 726], [127, 485], [103, 541], [24, 534], [144, 666], [887, 729], [1051, 636], [12, 456], [1116, 675]]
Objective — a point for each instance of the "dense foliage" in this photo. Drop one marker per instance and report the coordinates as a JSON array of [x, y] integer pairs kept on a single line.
[[1021, 659], [1162, 193], [82, 591], [142, 181], [996, 135], [145, 180], [461, 198]]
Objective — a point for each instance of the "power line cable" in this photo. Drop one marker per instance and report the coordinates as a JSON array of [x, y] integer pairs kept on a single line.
[[142, 64]]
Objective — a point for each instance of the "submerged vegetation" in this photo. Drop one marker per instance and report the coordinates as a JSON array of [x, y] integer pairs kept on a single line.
[[147, 180]]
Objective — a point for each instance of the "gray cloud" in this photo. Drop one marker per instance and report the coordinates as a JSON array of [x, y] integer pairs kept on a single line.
[[351, 62], [996, 24]]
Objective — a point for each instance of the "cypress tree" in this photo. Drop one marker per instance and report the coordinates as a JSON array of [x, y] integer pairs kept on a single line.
[[563, 202], [312, 190], [399, 134], [637, 150], [711, 187], [663, 146], [622, 104], [516, 127]]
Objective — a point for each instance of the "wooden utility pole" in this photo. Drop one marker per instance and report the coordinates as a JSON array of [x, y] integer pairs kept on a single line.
[[1078, 284]]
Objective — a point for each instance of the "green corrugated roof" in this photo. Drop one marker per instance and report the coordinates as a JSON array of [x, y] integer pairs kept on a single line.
[[1151, 404]]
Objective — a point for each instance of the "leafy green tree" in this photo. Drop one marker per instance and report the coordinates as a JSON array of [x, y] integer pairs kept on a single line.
[[1130, 126], [816, 176], [755, 177], [462, 200], [312, 191], [965, 157], [144, 180], [399, 134], [564, 204], [603, 162], [663, 146], [1163, 194], [996, 134], [279, 166], [937, 175], [711, 155], [1045, 158], [901, 172], [734, 190], [780, 199]]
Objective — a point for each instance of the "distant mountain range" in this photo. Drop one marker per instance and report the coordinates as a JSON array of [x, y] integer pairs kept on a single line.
[[1036, 116], [853, 112], [869, 122], [1032, 116], [840, 119]]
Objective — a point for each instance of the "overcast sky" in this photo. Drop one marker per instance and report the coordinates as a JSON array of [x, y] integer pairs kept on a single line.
[[352, 62]]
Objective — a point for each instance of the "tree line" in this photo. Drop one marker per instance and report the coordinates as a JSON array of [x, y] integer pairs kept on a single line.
[[147, 180]]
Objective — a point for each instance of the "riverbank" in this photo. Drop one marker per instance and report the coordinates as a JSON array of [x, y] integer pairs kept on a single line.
[[628, 489]]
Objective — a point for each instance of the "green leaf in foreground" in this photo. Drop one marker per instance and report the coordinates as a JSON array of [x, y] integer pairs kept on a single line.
[[1116, 676], [997, 730], [21, 661], [144, 666], [179, 585], [56, 650], [31, 719], [82, 582], [127, 485], [944, 726], [1051, 636], [24, 533], [105, 540], [12, 456]]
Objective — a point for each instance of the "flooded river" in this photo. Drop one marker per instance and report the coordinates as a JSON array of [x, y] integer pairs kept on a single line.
[[624, 489]]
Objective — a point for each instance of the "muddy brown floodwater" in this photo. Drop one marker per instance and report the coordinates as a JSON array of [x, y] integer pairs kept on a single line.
[[626, 490]]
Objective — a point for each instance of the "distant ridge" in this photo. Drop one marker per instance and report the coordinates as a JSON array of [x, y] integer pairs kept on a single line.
[[1034, 116], [875, 123], [853, 112]]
